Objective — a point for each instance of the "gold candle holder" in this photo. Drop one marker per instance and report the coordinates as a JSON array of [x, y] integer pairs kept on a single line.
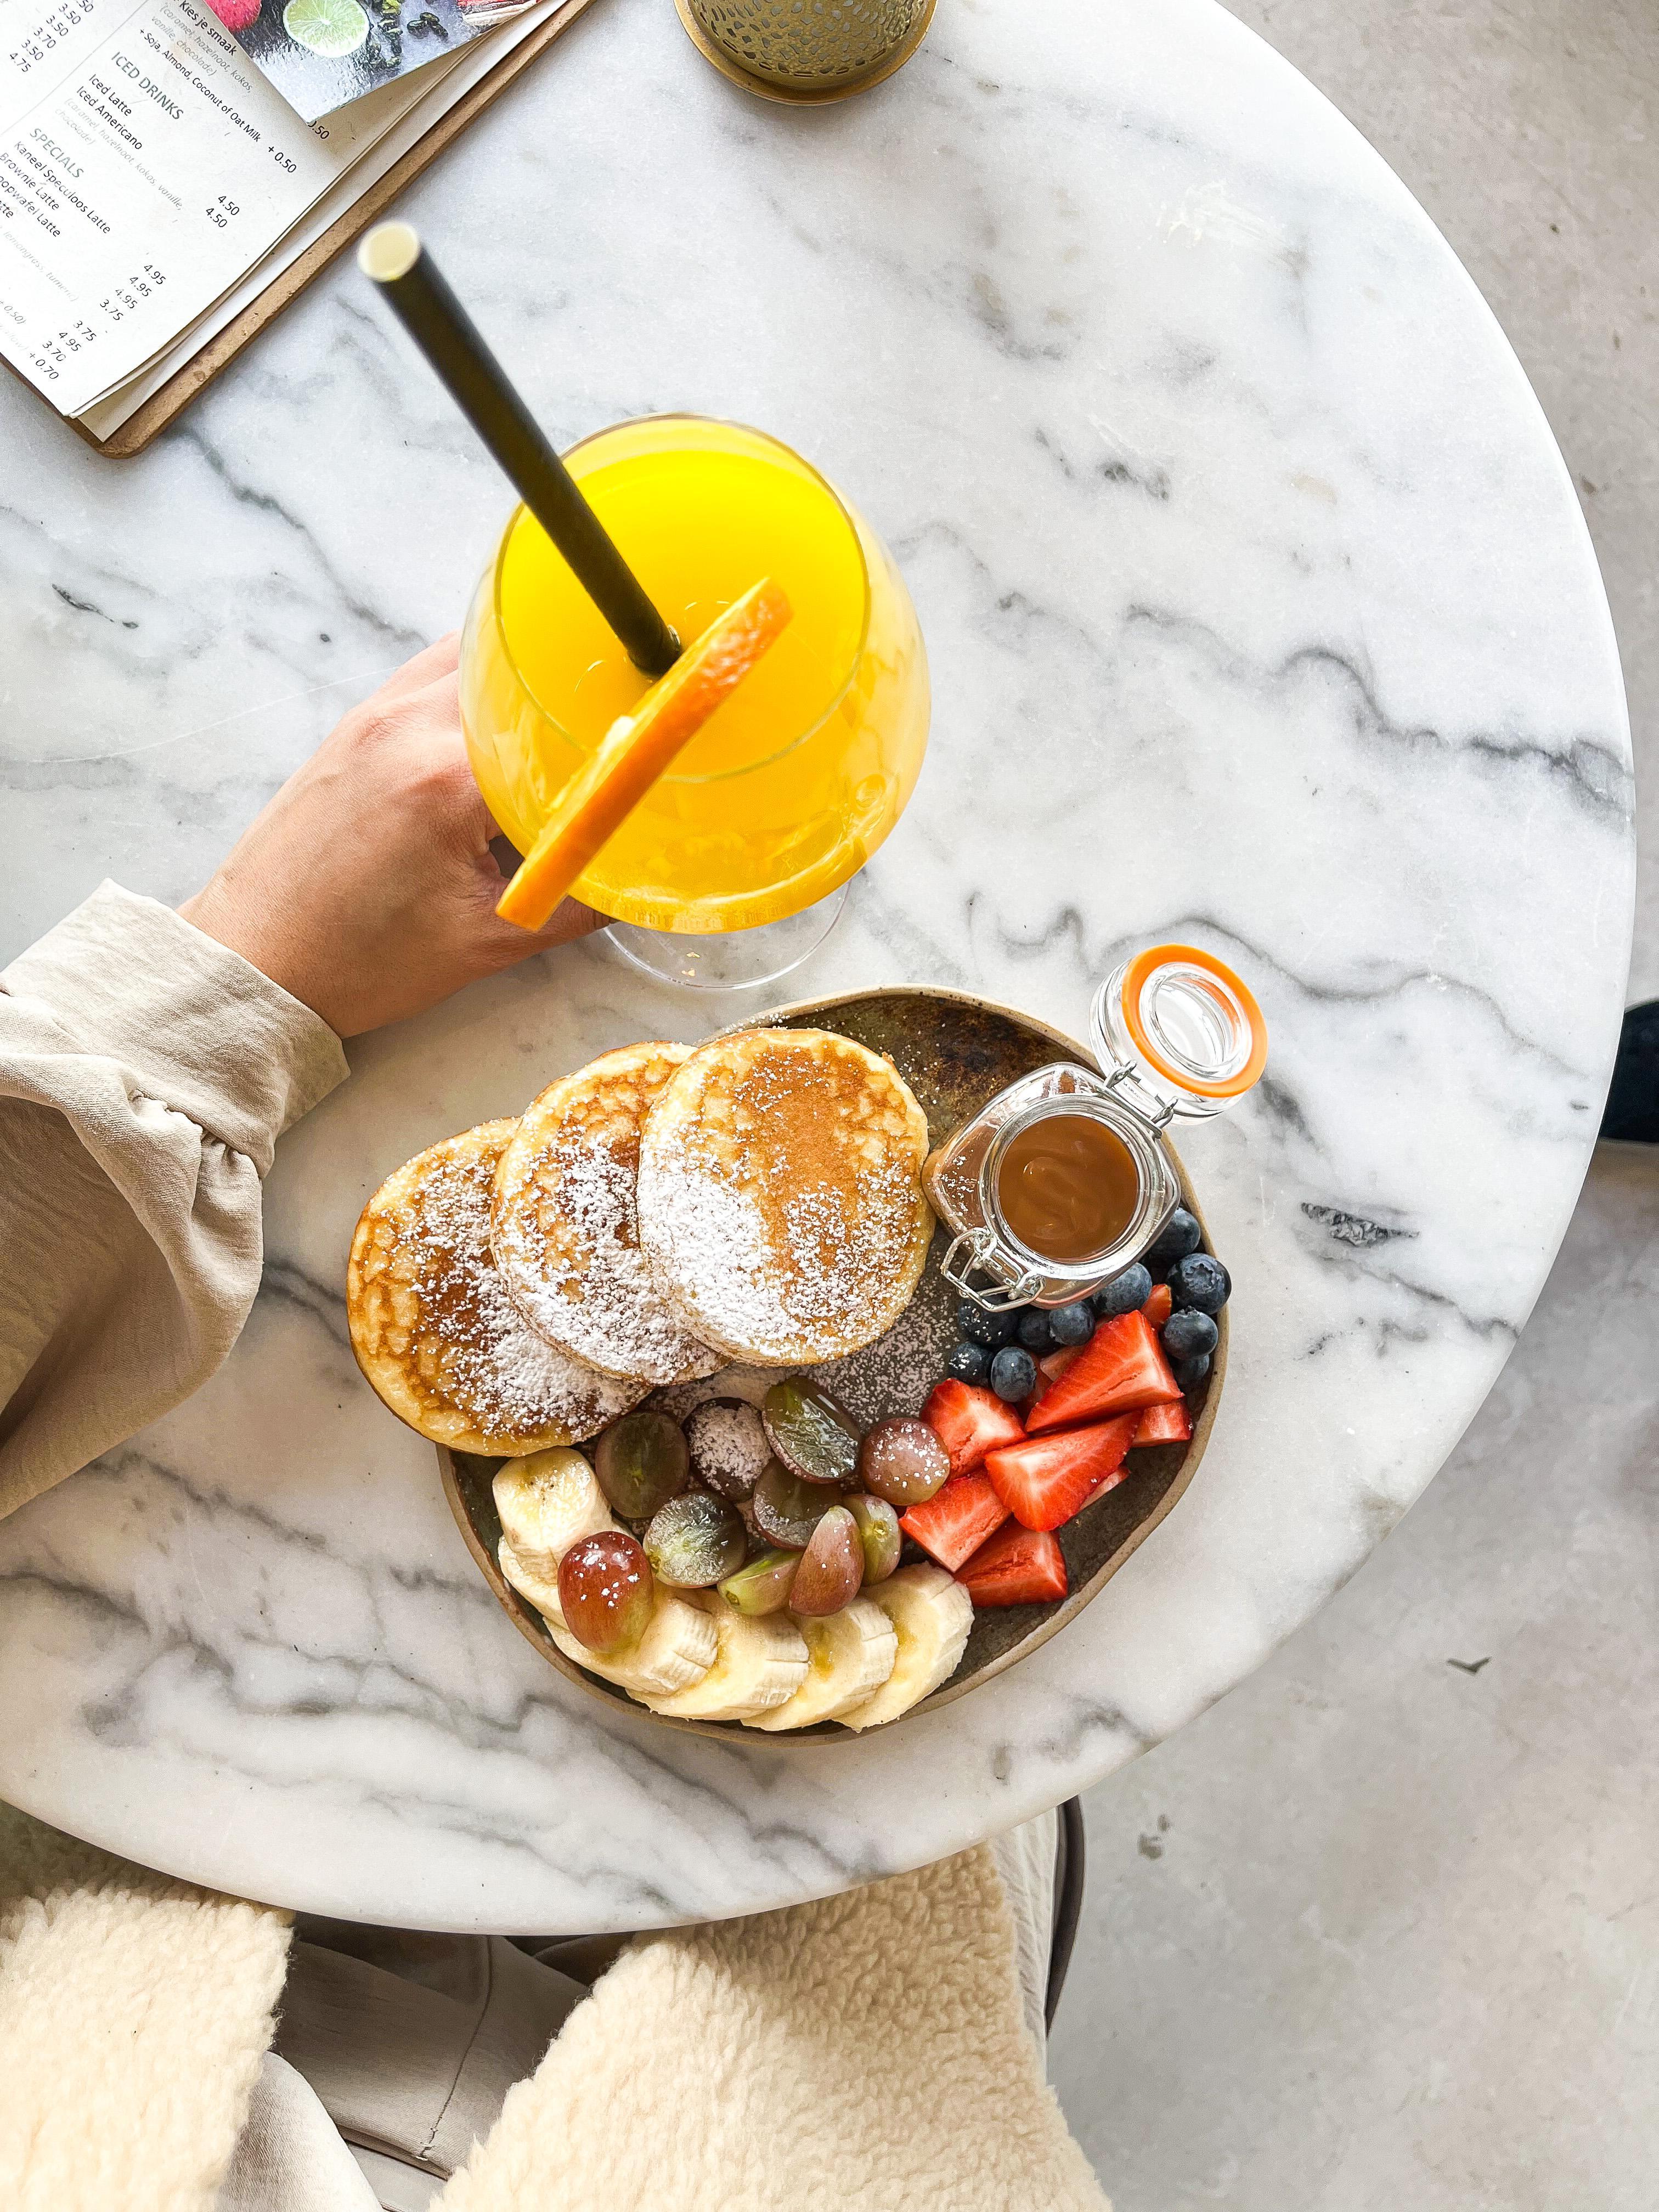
[[806, 52]]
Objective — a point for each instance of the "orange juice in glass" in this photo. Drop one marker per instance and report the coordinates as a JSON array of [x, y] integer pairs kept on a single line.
[[793, 782]]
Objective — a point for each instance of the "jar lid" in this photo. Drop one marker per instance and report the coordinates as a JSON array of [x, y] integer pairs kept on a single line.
[[1181, 1026]]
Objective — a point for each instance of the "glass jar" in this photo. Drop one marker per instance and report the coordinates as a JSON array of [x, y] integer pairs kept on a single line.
[[1177, 1036]]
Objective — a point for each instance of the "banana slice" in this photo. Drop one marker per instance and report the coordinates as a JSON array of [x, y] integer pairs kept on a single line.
[[673, 1655], [760, 1662], [932, 1615], [849, 1654], [542, 1594], [546, 1502], [675, 1652]]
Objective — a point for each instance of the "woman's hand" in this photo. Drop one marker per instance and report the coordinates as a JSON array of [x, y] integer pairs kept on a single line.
[[367, 888]]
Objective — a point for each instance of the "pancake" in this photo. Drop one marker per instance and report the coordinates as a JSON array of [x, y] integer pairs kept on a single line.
[[433, 1327], [780, 1195], [565, 1230]]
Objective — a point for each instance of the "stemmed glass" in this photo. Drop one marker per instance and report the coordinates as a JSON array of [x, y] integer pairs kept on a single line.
[[734, 867]]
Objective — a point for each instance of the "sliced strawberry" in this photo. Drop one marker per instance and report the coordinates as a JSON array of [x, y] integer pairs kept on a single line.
[[1045, 1480], [1120, 1369], [956, 1521], [969, 1422], [1017, 1566], [1161, 1304], [1168, 1424], [1054, 1364], [1049, 1368]]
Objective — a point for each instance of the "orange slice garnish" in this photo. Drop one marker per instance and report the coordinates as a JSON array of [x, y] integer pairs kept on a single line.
[[639, 747]]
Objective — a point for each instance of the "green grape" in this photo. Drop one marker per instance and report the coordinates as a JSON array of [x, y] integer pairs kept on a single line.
[[814, 1436], [762, 1586], [788, 1509], [831, 1567], [642, 1461], [606, 1590], [693, 1541], [903, 1461], [879, 1534]]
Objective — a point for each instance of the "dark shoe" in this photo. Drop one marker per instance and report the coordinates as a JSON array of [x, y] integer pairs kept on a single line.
[[1632, 1111]]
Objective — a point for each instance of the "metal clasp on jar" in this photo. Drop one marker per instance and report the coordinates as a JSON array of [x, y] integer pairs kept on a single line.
[[1124, 1083], [970, 1254]]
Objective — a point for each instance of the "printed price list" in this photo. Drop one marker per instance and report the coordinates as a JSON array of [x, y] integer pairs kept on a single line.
[[41, 39], [145, 166]]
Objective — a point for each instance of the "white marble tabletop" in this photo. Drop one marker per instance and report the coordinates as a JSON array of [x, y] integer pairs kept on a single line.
[[1261, 613]]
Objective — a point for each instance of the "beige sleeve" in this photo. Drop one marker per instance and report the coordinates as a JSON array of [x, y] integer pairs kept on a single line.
[[146, 1072]]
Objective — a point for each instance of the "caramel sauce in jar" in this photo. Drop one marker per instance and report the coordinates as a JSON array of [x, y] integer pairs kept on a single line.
[[1067, 1188]]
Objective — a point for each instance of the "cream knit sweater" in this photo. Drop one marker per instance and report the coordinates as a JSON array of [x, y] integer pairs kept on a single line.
[[868, 2052]]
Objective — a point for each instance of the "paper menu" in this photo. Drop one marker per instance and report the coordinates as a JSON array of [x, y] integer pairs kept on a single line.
[[39, 44], [144, 166], [445, 87]]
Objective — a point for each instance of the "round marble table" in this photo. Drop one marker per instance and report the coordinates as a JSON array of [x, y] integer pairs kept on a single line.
[[1261, 613]]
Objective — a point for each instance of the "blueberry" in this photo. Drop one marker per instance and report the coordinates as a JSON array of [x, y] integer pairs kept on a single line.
[[1201, 1281], [1190, 1334], [1124, 1293], [1179, 1235], [1013, 1373], [1035, 1331], [1073, 1324], [1189, 1373], [969, 1363], [981, 1326]]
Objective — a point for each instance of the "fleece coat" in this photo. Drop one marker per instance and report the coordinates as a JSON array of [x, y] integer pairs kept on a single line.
[[134, 2012], [869, 2051]]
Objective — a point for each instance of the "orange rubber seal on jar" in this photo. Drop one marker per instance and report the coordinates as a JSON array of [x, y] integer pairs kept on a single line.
[[1136, 976]]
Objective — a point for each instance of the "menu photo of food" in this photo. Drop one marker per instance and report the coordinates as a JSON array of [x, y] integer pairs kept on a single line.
[[322, 54]]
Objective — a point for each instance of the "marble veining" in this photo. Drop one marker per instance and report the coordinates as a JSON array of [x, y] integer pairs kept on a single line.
[[1261, 613]]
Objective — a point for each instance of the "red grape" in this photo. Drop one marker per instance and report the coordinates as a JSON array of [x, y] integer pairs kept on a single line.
[[729, 1451], [788, 1509], [903, 1461], [606, 1590], [831, 1567]]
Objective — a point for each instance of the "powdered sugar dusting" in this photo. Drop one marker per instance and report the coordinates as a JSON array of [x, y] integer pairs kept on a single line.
[[893, 1375], [589, 1288], [740, 1380], [463, 1338], [781, 1207], [838, 1263], [729, 1447], [566, 1228]]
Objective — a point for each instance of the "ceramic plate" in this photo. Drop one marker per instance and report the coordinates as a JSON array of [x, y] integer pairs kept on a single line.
[[956, 1053]]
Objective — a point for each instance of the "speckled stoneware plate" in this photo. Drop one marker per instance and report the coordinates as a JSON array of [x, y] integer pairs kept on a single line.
[[955, 1052]]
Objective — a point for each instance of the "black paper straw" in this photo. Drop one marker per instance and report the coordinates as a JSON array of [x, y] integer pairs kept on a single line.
[[392, 253]]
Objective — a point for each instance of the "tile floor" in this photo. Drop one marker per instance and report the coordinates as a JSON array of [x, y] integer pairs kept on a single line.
[[1382, 1930]]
